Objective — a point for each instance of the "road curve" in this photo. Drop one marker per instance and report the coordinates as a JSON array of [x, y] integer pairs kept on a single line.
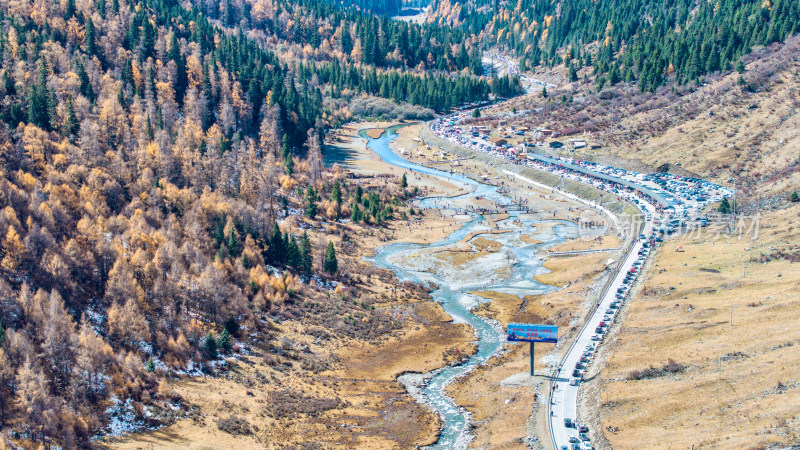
[[659, 198]]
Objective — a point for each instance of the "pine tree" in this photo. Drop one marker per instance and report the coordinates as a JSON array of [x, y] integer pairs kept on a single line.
[[71, 125], [724, 206], [41, 101], [331, 265], [305, 253], [404, 181], [277, 250], [358, 193], [210, 346], [336, 193], [89, 38], [69, 9], [288, 164], [355, 213], [476, 113], [311, 202], [292, 253], [225, 345]]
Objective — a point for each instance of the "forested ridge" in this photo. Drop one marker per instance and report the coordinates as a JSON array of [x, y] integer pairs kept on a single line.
[[643, 41], [162, 189]]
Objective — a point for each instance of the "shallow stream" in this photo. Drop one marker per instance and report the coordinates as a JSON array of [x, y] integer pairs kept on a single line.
[[509, 270]]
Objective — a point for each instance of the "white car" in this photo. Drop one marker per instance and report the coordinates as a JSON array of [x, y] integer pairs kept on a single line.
[[573, 382]]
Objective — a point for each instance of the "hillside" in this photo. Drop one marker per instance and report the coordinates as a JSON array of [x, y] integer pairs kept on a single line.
[[735, 126], [651, 43], [165, 206], [703, 357]]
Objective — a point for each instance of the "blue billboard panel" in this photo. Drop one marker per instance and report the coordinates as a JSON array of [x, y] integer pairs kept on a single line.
[[526, 332]]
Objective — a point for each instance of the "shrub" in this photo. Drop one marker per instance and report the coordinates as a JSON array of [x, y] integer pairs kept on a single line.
[[234, 425]]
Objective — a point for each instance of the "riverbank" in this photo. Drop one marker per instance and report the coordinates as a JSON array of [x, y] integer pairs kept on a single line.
[[358, 377], [500, 394], [375, 409]]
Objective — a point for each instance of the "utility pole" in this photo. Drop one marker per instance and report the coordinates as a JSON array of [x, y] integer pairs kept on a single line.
[[532, 359]]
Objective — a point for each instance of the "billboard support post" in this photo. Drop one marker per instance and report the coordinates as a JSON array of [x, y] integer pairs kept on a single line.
[[532, 344], [531, 333]]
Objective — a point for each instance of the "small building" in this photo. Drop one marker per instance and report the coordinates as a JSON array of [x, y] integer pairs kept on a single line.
[[578, 143], [546, 132], [556, 144], [595, 145], [498, 141]]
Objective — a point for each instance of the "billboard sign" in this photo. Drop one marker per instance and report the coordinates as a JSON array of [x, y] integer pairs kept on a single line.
[[526, 332]]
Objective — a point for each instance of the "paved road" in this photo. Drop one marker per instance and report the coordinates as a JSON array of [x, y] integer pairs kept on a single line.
[[666, 201], [564, 398]]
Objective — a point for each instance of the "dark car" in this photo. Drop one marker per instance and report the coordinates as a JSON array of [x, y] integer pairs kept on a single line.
[[568, 423]]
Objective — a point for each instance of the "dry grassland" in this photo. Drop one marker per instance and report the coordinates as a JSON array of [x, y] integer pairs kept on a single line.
[[740, 386]]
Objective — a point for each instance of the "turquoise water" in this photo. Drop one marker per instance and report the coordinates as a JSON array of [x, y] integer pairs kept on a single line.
[[452, 291]]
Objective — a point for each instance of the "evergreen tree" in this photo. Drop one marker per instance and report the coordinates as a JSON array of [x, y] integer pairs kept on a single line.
[[336, 193], [288, 164], [276, 250], [355, 213], [71, 125], [210, 346], [69, 9], [358, 193], [292, 253], [41, 100], [476, 113], [331, 265], [86, 84], [724, 206], [89, 39], [404, 180], [346, 39], [305, 253], [311, 202], [225, 345]]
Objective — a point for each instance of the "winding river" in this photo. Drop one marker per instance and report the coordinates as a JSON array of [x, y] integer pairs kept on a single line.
[[509, 270]]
